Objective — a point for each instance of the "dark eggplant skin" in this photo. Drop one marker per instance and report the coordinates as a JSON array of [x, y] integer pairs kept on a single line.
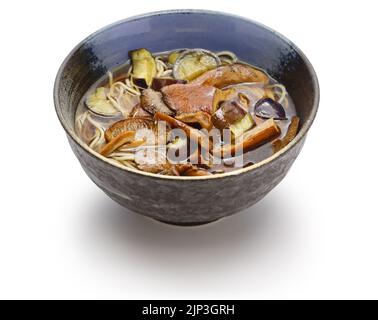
[[268, 108], [144, 65], [140, 82], [158, 83]]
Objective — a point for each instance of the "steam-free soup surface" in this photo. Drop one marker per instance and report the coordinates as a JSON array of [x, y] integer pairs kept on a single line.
[[188, 112]]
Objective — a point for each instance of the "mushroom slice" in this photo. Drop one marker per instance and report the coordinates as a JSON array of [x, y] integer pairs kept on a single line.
[[221, 96], [290, 135], [229, 113], [182, 167], [227, 75], [130, 124], [121, 139], [252, 92], [194, 134], [188, 169], [253, 138], [196, 172], [200, 117], [161, 168]]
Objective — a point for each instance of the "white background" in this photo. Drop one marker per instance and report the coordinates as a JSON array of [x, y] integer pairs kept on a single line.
[[314, 236]]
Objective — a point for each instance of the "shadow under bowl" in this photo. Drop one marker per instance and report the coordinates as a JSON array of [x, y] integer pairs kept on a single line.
[[186, 200]]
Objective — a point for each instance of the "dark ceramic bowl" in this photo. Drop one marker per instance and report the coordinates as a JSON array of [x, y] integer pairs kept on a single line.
[[186, 200]]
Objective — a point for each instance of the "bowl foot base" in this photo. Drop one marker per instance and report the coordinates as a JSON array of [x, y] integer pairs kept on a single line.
[[186, 224]]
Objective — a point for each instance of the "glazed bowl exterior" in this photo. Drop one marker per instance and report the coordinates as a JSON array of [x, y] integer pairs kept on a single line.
[[186, 200]]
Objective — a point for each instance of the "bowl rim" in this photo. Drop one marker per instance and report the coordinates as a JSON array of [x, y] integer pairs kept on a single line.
[[300, 135]]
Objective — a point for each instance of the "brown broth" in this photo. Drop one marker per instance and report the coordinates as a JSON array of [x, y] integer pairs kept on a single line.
[[120, 74]]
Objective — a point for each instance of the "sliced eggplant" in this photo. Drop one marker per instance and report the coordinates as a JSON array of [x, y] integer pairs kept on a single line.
[[99, 103], [173, 57], [254, 138], [268, 108], [192, 63], [140, 82], [241, 126], [144, 66]]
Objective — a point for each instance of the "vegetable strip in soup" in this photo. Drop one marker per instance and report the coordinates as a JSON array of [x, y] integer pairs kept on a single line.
[[187, 112]]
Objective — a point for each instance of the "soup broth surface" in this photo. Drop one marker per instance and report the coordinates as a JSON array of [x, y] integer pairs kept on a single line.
[[195, 91]]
